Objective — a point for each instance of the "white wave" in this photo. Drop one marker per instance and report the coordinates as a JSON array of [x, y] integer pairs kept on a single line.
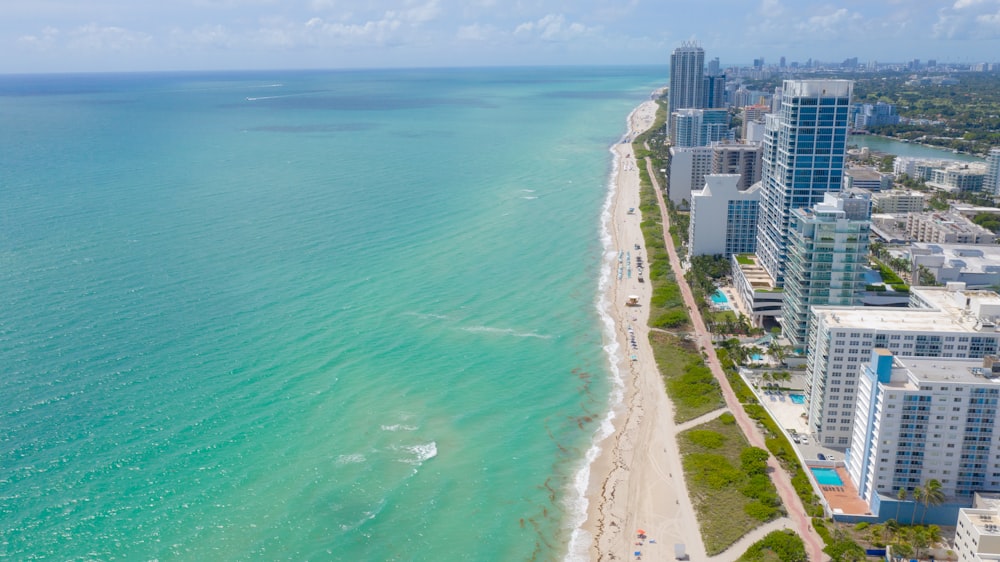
[[426, 315], [365, 517], [356, 458], [529, 197], [421, 453], [399, 427], [505, 332], [528, 190], [577, 502]]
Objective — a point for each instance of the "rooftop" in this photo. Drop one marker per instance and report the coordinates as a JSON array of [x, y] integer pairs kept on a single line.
[[947, 310], [939, 369]]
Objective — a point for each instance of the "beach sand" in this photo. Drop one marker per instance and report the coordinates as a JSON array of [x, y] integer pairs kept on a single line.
[[637, 481]]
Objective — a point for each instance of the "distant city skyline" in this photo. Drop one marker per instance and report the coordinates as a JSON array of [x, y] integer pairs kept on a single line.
[[122, 35]]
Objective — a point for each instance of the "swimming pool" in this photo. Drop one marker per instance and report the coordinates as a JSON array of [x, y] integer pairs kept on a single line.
[[756, 357], [797, 398], [718, 297], [827, 476]]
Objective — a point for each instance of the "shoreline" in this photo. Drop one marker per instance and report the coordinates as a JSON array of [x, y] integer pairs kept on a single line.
[[632, 476]]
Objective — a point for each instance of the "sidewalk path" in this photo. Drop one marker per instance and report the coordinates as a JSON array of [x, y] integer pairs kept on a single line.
[[783, 483]]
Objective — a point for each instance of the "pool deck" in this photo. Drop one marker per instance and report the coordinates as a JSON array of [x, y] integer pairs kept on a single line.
[[791, 417], [844, 499]]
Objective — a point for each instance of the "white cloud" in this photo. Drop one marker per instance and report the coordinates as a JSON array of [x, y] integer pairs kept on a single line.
[[968, 19], [553, 27], [475, 32], [216, 36], [837, 23], [961, 4], [41, 42], [93, 37]]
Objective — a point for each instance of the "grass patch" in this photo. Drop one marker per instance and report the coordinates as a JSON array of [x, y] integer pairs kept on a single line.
[[729, 487], [690, 384]]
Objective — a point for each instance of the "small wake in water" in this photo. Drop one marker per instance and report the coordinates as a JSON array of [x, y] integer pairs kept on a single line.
[[399, 427], [426, 315], [356, 458], [421, 453], [505, 332]]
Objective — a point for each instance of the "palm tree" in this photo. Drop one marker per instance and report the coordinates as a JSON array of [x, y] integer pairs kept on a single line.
[[918, 494], [901, 496], [930, 494]]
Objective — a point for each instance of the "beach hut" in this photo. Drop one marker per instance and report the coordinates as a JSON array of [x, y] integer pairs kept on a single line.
[[633, 300]]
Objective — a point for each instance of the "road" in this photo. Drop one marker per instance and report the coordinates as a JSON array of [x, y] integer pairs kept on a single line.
[[703, 338]]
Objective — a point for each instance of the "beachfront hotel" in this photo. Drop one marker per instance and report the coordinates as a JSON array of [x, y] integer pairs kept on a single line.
[[947, 322], [919, 419], [687, 80], [827, 251], [805, 146], [719, 203]]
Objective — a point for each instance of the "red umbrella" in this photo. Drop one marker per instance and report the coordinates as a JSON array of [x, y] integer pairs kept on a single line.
[[641, 532]]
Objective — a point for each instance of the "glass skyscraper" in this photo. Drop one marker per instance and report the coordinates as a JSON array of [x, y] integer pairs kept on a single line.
[[804, 150]]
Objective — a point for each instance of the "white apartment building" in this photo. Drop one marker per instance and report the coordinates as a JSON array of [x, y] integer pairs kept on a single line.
[[742, 159], [898, 201], [919, 419], [991, 181], [941, 322], [958, 177], [977, 533], [866, 177], [946, 228], [978, 267], [688, 168], [723, 218]]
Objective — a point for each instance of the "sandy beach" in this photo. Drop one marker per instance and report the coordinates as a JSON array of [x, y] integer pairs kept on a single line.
[[637, 480]]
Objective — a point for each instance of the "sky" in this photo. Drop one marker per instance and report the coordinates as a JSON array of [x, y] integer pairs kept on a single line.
[[137, 35]]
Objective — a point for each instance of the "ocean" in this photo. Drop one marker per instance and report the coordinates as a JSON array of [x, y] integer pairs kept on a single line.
[[304, 315]]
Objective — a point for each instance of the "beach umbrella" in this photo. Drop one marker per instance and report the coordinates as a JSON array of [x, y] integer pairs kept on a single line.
[[641, 532]]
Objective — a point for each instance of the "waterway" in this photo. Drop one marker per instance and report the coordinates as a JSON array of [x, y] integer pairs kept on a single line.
[[899, 148]]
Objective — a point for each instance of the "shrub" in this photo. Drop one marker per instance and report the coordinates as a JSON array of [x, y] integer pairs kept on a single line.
[[760, 511], [705, 438]]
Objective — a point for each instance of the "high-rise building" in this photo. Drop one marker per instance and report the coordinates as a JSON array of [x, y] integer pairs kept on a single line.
[[688, 168], [805, 146], [723, 218], [699, 127], [827, 247], [925, 418], [742, 159], [687, 84], [713, 67], [715, 91], [940, 322], [991, 181]]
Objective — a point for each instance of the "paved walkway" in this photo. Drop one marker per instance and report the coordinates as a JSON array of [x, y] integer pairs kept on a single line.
[[703, 339]]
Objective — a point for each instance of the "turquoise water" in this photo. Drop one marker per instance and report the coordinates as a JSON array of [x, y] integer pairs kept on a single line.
[[718, 297], [827, 477], [304, 315], [797, 398], [757, 357], [899, 148]]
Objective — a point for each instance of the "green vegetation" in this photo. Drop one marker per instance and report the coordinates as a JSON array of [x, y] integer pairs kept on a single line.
[[890, 278], [690, 384], [745, 259], [728, 481], [989, 221], [784, 546], [782, 450], [692, 388]]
